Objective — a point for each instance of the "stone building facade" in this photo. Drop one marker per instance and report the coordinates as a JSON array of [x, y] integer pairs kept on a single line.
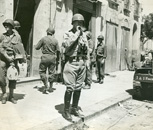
[[118, 20]]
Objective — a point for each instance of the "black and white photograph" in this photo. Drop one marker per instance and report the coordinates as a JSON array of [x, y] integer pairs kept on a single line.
[[76, 64]]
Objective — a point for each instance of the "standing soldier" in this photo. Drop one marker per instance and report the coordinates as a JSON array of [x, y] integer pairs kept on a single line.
[[16, 29], [75, 68], [9, 49], [101, 54], [91, 45], [49, 59]]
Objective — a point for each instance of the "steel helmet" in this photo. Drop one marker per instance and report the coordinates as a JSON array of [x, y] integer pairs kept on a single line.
[[9, 21], [101, 37], [17, 24], [50, 30], [88, 34], [78, 17]]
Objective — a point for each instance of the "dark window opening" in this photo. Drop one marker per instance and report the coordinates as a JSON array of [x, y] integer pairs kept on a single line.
[[113, 4]]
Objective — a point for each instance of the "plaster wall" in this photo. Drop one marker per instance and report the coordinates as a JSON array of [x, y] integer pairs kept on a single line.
[[50, 13], [6, 12]]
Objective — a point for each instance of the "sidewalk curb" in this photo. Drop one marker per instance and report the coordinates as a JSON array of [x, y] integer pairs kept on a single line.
[[89, 112]]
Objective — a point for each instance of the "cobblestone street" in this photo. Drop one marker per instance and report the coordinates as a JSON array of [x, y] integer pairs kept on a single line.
[[131, 115]]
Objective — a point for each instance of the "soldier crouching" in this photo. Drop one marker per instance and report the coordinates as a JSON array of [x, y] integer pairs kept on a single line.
[[75, 68]]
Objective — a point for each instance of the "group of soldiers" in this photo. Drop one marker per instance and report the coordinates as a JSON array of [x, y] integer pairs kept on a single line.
[[78, 55], [11, 53]]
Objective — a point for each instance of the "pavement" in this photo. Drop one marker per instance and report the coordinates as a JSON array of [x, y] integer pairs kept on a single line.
[[37, 111]]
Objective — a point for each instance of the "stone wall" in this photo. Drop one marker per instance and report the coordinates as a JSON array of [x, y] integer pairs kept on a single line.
[[6, 12], [49, 12]]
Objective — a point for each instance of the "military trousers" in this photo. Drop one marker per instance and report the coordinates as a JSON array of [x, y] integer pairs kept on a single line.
[[100, 68], [48, 62], [74, 74], [88, 79], [3, 70]]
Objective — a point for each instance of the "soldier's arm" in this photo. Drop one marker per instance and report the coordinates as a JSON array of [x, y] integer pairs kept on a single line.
[[71, 41], [105, 52], [3, 52], [39, 44], [58, 51]]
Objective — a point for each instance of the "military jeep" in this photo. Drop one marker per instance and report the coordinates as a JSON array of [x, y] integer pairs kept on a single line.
[[143, 81]]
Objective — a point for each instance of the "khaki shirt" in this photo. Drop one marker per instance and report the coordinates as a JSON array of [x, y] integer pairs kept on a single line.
[[101, 50], [70, 37], [48, 45]]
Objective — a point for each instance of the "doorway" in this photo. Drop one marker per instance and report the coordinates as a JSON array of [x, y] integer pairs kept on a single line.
[[24, 13], [87, 17]]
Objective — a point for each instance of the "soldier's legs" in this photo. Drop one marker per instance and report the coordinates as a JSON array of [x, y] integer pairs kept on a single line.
[[3, 81], [12, 86], [51, 72], [102, 73], [67, 100], [98, 71], [43, 76], [74, 76], [76, 95], [88, 79]]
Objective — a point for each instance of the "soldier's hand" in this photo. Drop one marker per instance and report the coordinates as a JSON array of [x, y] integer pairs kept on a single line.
[[78, 28]]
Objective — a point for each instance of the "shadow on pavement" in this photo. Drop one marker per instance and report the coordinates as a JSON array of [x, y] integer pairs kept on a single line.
[[17, 96], [60, 108], [42, 88]]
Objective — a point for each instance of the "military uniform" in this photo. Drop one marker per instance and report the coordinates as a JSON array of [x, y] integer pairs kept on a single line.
[[8, 52], [91, 61], [101, 54], [72, 77], [76, 51], [49, 46]]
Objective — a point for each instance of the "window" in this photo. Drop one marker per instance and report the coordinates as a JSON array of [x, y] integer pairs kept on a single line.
[[126, 4], [126, 7], [113, 4], [136, 10]]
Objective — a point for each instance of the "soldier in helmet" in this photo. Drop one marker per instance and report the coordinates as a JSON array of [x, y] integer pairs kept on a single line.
[[50, 50], [101, 54], [16, 29], [76, 51], [8, 59], [91, 61]]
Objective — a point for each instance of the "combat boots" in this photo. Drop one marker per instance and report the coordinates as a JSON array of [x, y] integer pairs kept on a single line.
[[67, 100], [4, 98], [74, 110], [11, 98], [50, 89], [12, 85], [101, 81]]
